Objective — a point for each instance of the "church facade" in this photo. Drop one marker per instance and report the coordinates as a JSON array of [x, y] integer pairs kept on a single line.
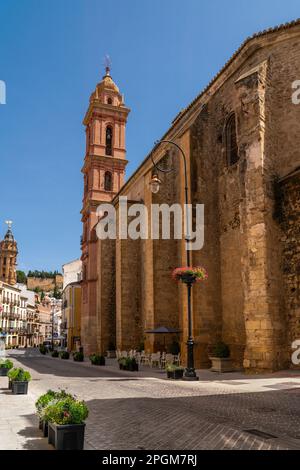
[[241, 137]]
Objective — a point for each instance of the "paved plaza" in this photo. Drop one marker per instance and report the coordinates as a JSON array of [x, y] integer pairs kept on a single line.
[[145, 411]]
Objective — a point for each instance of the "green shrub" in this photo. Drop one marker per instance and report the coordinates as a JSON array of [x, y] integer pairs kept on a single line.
[[97, 360], [64, 355], [128, 363], [7, 364], [42, 349], [220, 350], [66, 411], [55, 354], [122, 361], [51, 396], [44, 400], [173, 367], [78, 356], [19, 375]]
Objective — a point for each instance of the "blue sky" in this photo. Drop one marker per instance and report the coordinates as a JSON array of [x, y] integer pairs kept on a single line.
[[51, 57]]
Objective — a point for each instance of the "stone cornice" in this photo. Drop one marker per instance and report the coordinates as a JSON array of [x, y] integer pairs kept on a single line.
[[186, 117], [96, 161], [115, 111]]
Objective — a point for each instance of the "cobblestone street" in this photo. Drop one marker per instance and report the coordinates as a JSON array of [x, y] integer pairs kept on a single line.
[[145, 411]]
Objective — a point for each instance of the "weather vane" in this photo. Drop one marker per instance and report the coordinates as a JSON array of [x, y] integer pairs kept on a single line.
[[9, 223], [107, 63]]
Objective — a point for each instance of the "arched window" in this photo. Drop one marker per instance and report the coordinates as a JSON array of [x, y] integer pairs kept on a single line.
[[109, 139], [232, 152], [108, 181], [109, 101]]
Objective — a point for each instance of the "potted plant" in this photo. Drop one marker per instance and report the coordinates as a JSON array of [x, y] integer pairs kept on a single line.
[[42, 349], [19, 381], [174, 372], [43, 401], [97, 360], [122, 363], [5, 366], [78, 356], [111, 352], [128, 363], [131, 364], [66, 423], [64, 355], [55, 353], [190, 275], [40, 404], [220, 358]]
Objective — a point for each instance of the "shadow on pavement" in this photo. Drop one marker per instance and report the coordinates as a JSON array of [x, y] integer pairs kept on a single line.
[[198, 422]]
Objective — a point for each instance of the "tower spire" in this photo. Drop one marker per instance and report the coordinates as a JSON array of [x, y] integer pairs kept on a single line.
[[107, 64], [8, 256]]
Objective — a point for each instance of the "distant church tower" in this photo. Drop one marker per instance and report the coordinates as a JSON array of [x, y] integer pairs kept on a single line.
[[104, 172], [8, 257]]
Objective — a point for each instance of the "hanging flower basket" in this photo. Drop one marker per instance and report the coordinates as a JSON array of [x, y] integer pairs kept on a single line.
[[190, 275]]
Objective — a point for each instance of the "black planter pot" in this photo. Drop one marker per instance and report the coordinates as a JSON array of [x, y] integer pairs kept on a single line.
[[133, 368], [66, 437], [45, 428], [19, 388], [3, 372], [188, 278], [101, 363], [9, 384], [175, 374]]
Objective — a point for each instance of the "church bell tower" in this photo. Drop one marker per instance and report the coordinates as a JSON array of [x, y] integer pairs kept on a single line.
[[8, 257], [103, 172]]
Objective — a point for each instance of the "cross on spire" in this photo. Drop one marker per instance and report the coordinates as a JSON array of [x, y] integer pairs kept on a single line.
[[107, 64], [9, 223]]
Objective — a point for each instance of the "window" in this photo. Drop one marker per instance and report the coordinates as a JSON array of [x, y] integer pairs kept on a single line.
[[108, 181], [232, 153], [109, 138], [109, 101]]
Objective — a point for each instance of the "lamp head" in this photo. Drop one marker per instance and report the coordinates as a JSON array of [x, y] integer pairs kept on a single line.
[[155, 184]]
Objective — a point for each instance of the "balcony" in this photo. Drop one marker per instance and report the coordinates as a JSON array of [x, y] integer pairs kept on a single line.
[[10, 315], [10, 330]]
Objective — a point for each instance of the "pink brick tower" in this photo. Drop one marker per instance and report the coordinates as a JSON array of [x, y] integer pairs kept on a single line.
[[104, 171]]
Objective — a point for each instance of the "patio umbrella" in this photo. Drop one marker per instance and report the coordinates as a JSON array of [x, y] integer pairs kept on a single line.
[[164, 330]]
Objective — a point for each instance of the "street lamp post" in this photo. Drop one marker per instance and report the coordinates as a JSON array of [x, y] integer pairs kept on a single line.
[[190, 373]]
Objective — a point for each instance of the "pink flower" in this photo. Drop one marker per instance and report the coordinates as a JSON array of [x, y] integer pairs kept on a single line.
[[196, 273]]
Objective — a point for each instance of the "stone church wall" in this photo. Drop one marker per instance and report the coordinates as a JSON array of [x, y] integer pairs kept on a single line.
[[289, 219]]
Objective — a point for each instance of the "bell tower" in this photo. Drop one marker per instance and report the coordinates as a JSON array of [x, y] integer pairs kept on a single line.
[[103, 172], [8, 257]]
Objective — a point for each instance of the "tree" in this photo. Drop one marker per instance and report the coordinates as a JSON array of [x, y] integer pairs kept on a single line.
[[57, 293], [21, 277]]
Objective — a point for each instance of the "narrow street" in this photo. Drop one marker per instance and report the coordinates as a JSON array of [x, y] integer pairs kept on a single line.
[[145, 411]]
